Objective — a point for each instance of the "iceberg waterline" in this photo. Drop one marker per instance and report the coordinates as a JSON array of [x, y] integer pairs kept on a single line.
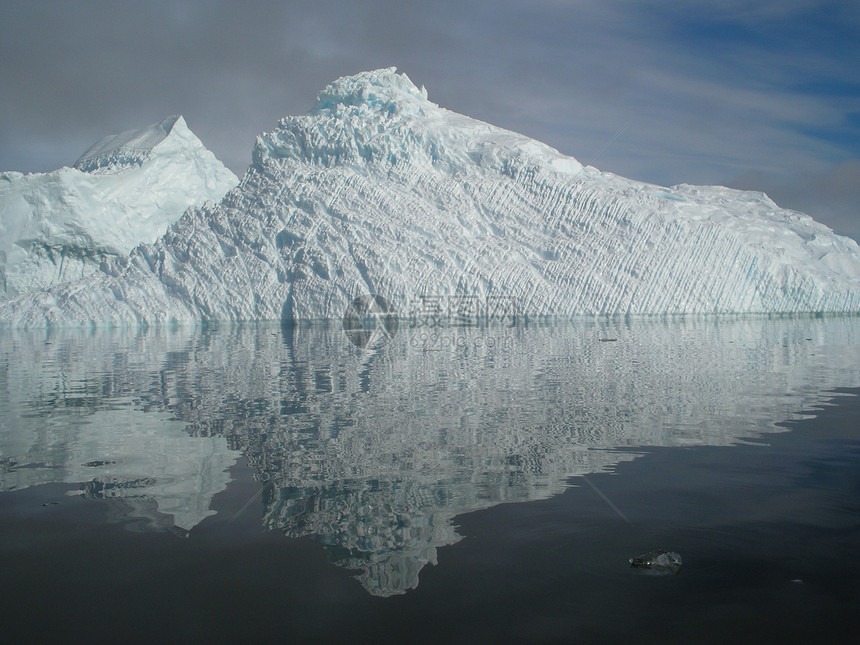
[[126, 189], [378, 190]]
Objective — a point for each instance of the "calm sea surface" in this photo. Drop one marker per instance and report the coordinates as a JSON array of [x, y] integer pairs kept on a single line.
[[455, 484]]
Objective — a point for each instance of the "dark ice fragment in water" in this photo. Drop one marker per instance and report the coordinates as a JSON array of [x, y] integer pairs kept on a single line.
[[658, 561]]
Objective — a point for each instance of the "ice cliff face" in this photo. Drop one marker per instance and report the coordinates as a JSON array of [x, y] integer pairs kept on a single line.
[[126, 189], [379, 190]]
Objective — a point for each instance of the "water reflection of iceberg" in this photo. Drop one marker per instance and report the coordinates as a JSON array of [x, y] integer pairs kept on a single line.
[[375, 453], [147, 460], [63, 422]]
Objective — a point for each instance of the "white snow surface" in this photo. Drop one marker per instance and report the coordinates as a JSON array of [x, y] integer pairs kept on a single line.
[[126, 189], [378, 190]]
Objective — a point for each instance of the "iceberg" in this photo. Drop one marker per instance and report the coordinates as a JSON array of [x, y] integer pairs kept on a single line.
[[377, 190], [126, 189]]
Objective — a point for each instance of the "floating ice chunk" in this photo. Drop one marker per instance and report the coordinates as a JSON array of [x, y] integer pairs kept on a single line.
[[659, 561]]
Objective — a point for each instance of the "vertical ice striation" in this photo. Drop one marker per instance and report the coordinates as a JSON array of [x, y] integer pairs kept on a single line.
[[379, 190]]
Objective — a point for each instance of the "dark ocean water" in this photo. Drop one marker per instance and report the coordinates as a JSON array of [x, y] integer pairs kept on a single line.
[[260, 484]]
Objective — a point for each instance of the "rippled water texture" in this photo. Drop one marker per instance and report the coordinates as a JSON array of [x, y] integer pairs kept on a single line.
[[129, 458]]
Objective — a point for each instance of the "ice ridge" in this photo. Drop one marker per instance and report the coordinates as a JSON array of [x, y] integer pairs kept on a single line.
[[129, 148], [379, 190]]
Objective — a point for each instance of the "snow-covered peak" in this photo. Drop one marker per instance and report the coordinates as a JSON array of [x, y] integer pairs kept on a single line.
[[117, 152], [381, 89], [382, 118]]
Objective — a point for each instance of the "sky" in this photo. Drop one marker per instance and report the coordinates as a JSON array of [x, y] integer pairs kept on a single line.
[[754, 95]]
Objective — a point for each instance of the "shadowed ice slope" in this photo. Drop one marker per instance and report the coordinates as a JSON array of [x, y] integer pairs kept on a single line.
[[379, 190]]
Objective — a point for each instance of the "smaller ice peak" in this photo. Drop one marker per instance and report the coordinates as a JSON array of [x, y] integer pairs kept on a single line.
[[377, 90], [128, 188], [117, 152]]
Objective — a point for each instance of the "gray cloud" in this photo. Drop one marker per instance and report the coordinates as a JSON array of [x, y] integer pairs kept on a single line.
[[841, 184], [719, 95]]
